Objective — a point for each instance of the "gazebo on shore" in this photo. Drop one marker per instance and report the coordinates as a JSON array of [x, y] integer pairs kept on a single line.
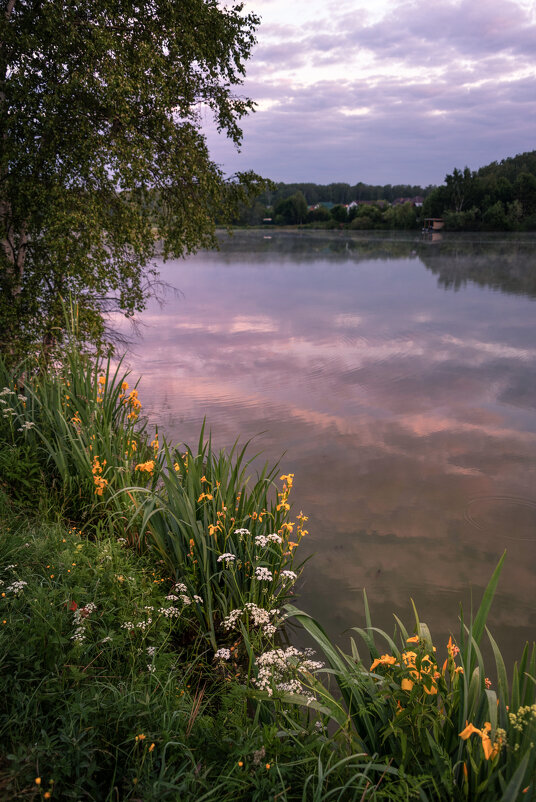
[[433, 224]]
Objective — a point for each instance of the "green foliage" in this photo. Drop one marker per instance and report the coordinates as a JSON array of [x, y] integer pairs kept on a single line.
[[407, 706], [339, 213], [79, 423], [103, 703], [207, 506], [20, 472], [102, 153], [292, 210], [498, 197]]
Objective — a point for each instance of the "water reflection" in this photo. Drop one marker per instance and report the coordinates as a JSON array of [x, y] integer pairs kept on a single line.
[[406, 412]]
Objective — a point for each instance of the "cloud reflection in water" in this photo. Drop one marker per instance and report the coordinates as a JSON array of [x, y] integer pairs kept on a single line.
[[404, 410]]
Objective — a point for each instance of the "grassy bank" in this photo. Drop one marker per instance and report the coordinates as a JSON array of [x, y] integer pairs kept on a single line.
[[145, 588]]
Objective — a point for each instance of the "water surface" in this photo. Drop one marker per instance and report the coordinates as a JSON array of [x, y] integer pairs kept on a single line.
[[397, 377]]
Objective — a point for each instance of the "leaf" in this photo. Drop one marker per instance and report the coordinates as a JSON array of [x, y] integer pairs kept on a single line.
[[479, 622], [511, 792]]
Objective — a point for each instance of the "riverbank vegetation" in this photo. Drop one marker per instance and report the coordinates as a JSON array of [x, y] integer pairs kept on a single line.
[[498, 197], [103, 160], [145, 592]]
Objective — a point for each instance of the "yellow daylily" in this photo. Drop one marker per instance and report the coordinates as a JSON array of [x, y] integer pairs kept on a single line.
[[490, 750], [384, 660]]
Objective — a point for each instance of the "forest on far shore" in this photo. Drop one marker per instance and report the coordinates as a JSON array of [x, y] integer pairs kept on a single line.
[[498, 197]]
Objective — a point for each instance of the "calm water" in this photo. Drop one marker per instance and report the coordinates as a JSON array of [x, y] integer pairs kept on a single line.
[[398, 377]]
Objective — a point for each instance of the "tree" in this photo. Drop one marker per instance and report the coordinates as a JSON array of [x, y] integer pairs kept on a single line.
[[101, 105], [292, 210], [459, 187], [339, 213], [525, 190]]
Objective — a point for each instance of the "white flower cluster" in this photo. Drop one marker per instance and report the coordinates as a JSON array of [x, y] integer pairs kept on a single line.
[[259, 616], [122, 540], [242, 533], [222, 654], [263, 574], [16, 587], [263, 540], [182, 590], [279, 669], [7, 391], [289, 575], [130, 626], [170, 612], [228, 557], [80, 616], [151, 651], [29, 424]]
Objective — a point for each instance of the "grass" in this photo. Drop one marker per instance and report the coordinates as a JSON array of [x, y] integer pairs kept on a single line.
[[142, 644]]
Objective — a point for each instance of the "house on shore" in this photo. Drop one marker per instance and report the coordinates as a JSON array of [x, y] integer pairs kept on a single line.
[[433, 224]]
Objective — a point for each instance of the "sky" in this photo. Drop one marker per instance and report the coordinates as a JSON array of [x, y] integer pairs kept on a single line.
[[385, 91]]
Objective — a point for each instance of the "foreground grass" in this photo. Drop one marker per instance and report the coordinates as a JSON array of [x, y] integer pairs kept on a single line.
[[142, 644], [103, 696]]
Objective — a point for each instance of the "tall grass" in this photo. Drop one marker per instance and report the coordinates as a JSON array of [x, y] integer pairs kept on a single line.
[[226, 535], [442, 719]]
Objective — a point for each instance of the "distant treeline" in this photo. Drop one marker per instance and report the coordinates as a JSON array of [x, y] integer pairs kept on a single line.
[[498, 197], [339, 193]]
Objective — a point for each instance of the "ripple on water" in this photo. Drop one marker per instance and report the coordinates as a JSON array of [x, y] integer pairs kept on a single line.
[[503, 514]]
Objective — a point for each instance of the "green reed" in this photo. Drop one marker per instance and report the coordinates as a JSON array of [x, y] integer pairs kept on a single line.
[[221, 531], [441, 719]]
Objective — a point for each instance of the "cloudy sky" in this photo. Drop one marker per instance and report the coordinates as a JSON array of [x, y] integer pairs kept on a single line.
[[386, 91]]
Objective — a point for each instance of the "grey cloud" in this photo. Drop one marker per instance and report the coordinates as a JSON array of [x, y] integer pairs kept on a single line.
[[295, 139]]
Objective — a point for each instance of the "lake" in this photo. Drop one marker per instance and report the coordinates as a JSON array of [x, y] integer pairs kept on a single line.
[[396, 378]]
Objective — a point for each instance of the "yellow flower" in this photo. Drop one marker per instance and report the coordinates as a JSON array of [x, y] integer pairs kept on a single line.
[[409, 658], [414, 639], [151, 748], [384, 660], [37, 781], [140, 737], [287, 478], [490, 750], [102, 380], [148, 466]]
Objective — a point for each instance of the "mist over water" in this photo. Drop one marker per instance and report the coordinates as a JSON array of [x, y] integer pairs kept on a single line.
[[396, 378]]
